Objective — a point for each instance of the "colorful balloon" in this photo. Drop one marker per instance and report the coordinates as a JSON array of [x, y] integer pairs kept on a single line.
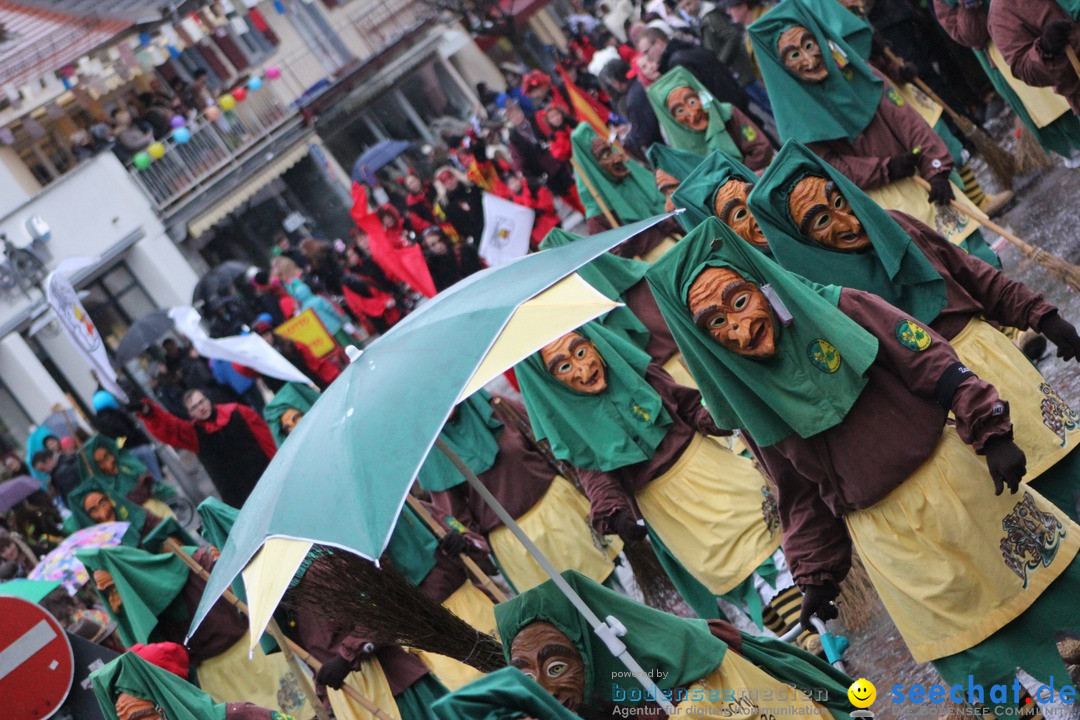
[[156, 150], [141, 160], [227, 102], [181, 135], [177, 121], [255, 83], [240, 94], [273, 72], [213, 113]]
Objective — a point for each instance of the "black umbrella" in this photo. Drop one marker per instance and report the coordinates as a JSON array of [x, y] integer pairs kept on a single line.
[[218, 282], [146, 331]]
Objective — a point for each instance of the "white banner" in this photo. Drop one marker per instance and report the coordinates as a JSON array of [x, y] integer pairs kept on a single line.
[[247, 350], [61, 296], [507, 228]]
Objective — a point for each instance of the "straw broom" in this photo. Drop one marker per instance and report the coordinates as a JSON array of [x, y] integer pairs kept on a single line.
[[1030, 155]]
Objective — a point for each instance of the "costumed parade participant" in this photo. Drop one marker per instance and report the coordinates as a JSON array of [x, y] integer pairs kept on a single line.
[[828, 98], [545, 504], [718, 187], [693, 120], [698, 665], [152, 598], [122, 473], [1039, 40], [672, 167], [287, 408], [977, 583], [501, 695], [92, 503], [824, 228], [640, 443]]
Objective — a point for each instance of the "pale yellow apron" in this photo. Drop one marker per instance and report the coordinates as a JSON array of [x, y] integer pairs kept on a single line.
[[710, 510], [678, 371], [738, 688], [658, 252], [921, 103], [264, 680], [1042, 103], [952, 562], [475, 608], [1044, 426], [906, 196], [159, 508], [369, 681], [559, 525]]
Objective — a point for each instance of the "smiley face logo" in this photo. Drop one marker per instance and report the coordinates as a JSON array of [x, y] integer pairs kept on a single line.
[[862, 693]]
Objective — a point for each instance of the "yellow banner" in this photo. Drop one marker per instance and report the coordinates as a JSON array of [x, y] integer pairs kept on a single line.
[[307, 329]]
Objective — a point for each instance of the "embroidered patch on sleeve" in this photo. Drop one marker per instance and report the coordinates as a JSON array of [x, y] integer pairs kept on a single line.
[[912, 336]]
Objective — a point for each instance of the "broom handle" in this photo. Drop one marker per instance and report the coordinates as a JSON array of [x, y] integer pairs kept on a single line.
[[287, 646], [78, 445], [1073, 60], [473, 568], [1028, 249], [592, 191]]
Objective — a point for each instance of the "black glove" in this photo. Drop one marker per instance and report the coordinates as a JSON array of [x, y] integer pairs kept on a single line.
[[1055, 36], [1061, 332], [941, 192], [627, 527], [907, 72], [453, 544], [140, 406], [902, 166], [333, 672], [1006, 462], [818, 600]]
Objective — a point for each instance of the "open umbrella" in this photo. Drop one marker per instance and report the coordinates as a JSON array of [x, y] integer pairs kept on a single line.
[[341, 477], [62, 565], [62, 423], [218, 283], [146, 331], [15, 490], [376, 157]]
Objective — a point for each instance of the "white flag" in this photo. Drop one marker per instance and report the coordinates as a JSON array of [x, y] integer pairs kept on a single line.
[[507, 229]]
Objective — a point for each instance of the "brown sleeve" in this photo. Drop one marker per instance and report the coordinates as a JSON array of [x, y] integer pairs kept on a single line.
[[965, 25], [454, 502], [756, 151], [248, 711], [143, 490], [606, 496], [866, 171], [1017, 39], [687, 401], [905, 123]]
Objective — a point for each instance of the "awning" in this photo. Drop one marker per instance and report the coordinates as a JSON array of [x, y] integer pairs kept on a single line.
[[262, 177]]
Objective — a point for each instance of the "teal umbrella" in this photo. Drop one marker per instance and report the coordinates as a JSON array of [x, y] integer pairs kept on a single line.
[[341, 477]]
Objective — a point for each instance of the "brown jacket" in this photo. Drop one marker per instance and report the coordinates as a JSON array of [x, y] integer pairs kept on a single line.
[[965, 25], [1016, 26]]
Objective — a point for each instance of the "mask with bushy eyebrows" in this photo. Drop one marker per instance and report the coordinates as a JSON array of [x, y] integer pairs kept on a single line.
[[686, 107], [730, 206], [801, 54], [825, 216], [544, 653]]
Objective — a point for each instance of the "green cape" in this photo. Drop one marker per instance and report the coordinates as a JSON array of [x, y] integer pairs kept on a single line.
[[148, 584], [131, 674], [217, 520], [841, 106], [791, 393], [895, 269], [611, 275], [854, 30], [676, 650], [619, 426], [501, 695], [412, 546], [291, 395], [631, 199], [471, 435], [714, 137], [1071, 6], [675, 162], [697, 190], [126, 511]]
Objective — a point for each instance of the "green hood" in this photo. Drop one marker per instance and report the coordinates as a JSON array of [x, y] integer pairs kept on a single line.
[[412, 546], [291, 395], [840, 107], [1071, 6], [217, 520], [677, 651], [619, 426], [675, 162], [631, 199], [130, 468], [471, 433], [701, 143], [501, 695], [697, 190], [148, 584], [843, 23], [821, 358], [894, 269], [126, 511], [131, 674]]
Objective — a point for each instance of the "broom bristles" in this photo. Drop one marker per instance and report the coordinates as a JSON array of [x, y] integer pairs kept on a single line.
[[1029, 154], [858, 598], [999, 162], [655, 585], [349, 592]]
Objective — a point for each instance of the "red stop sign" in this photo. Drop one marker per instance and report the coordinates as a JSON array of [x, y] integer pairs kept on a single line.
[[36, 664]]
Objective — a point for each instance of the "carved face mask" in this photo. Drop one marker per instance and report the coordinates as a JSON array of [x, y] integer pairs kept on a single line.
[[801, 54], [103, 579], [734, 312], [824, 216], [99, 507], [685, 106], [667, 185], [545, 654], [129, 707], [610, 159], [730, 206], [289, 419], [105, 461], [574, 361]]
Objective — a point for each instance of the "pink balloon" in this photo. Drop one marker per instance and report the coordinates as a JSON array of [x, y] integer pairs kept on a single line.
[[273, 72], [212, 113]]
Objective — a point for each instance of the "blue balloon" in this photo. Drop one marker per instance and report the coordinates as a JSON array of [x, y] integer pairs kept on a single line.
[[255, 83], [181, 135]]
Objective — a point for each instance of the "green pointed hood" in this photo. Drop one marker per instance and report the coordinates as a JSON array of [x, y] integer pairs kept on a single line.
[[840, 107], [217, 519], [675, 162], [799, 391], [471, 433], [697, 190], [895, 269], [1070, 6], [130, 468], [291, 395], [701, 143], [126, 511], [677, 651], [502, 695], [631, 199], [619, 426], [843, 23], [130, 674]]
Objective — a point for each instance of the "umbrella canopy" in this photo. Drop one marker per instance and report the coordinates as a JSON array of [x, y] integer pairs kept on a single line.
[[342, 475], [146, 331], [62, 423], [376, 157], [30, 590], [62, 565], [15, 490], [218, 283]]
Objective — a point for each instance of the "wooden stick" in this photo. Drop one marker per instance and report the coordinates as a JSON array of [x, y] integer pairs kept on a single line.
[[1073, 60], [592, 191], [470, 564], [75, 438], [287, 645]]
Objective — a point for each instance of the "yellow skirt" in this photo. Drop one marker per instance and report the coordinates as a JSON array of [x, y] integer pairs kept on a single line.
[[677, 370], [1043, 424], [159, 508], [921, 103], [738, 688], [710, 510], [369, 681], [953, 563], [475, 608], [906, 196], [1042, 103], [658, 252], [559, 525], [264, 680]]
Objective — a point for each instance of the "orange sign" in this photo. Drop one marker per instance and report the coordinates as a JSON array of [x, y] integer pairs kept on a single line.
[[307, 329]]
